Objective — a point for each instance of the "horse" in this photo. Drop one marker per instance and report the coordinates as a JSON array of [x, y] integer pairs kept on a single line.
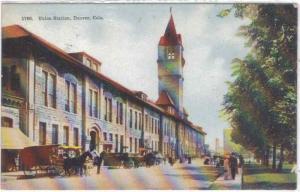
[[76, 163], [149, 159]]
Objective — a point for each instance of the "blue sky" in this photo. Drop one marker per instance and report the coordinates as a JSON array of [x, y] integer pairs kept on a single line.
[[126, 40]]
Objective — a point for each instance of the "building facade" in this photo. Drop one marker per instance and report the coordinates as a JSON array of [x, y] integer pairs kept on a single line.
[[56, 97]]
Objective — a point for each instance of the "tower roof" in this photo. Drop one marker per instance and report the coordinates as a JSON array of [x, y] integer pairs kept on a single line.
[[164, 99], [170, 37]]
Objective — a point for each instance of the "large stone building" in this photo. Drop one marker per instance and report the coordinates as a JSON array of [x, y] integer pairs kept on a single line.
[[55, 97]]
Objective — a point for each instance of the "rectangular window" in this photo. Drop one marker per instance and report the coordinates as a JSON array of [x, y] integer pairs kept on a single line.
[[135, 145], [130, 144], [94, 66], [140, 121], [106, 112], [158, 127], [105, 136], [110, 109], [116, 143], [76, 137], [110, 137], [121, 143], [152, 146], [73, 98], [130, 118], [54, 134], [67, 95], [52, 91], [95, 102], [135, 120], [146, 122], [42, 134], [117, 116], [121, 113], [44, 88], [66, 135], [152, 120], [91, 102], [89, 63]]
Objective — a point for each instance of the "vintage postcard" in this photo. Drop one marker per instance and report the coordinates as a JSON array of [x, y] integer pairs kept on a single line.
[[139, 96]]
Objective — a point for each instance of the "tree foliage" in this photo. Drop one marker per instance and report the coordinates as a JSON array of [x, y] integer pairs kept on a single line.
[[261, 101]]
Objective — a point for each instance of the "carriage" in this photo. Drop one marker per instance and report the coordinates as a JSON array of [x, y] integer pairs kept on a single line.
[[46, 158]]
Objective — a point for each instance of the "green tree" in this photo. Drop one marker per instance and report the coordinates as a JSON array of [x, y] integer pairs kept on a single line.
[[270, 71]]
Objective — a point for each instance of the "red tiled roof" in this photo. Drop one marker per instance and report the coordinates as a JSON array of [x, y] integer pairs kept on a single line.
[[170, 37], [13, 31], [164, 99]]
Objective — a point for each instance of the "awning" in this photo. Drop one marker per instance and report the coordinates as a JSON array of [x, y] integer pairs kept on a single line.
[[13, 138]]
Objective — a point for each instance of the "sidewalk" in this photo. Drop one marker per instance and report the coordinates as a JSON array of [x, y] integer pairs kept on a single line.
[[222, 184]]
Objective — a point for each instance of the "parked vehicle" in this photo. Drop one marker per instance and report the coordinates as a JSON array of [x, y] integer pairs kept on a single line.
[[119, 160], [48, 158]]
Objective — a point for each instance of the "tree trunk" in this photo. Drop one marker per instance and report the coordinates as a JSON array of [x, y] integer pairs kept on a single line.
[[281, 158], [267, 156], [274, 157]]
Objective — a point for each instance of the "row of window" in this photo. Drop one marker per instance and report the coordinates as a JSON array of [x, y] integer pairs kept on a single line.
[[138, 121], [48, 88], [151, 124], [55, 134], [167, 148], [169, 129], [49, 99]]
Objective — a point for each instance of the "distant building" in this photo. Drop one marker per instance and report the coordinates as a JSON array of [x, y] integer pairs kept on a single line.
[[56, 97], [217, 146]]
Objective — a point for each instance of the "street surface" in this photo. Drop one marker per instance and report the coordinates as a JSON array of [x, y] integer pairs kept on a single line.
[[180, 176]]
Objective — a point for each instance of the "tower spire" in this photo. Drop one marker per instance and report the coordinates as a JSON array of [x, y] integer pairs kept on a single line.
[[171, 10]]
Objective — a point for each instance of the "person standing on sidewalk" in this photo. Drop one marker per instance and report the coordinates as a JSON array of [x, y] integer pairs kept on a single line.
[[226, 168], [233, 165], [100, 159]]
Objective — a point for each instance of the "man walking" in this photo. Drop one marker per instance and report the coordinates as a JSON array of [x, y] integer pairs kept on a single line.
[[100, 159], [233, 165]]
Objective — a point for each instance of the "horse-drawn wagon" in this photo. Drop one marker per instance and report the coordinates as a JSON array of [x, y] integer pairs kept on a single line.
[[47, 158]]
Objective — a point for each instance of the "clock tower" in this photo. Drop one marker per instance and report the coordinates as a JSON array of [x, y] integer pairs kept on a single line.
[[170, 66]]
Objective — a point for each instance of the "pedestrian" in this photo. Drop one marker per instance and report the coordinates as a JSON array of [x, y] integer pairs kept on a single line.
[[226, 168], [171, 161], [233, 165], [100, 159], [165, 160], [241, 161]]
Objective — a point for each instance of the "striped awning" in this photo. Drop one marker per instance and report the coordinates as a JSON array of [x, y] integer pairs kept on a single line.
[[14, 138]]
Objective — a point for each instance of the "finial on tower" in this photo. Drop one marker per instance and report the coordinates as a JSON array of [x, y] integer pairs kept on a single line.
[[171, 10]]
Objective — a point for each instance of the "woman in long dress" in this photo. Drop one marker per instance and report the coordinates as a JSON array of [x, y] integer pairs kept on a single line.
[[226, 169]]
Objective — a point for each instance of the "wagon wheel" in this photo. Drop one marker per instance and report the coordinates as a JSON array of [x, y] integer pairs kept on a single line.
[[72, 171], [60, 170], [30, 171]]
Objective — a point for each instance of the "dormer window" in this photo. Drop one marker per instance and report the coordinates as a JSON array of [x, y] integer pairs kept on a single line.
[[89, 63], [94, 66], [171, 110]]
